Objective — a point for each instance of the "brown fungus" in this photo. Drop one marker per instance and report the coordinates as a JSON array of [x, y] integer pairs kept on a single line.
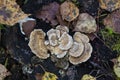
[[109, 5], [36, 43], [69, 11], [86, 23]]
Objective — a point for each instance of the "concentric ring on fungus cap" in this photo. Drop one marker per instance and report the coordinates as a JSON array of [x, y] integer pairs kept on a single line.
[[84, 57], [77, 49], [65, 41], [37, 45]]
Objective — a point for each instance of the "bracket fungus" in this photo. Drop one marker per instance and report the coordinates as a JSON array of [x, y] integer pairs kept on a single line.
[[65, 41], [109, 5], [53, 36], [36, 43], [10, 12], [69, 11], [76, 49], [62, 29], [83, 57], [81, 50], [78, 37], [86, 23]]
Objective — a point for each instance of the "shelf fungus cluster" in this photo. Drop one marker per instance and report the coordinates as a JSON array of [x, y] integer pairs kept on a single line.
[[61, 45], [10, 12], [81, 49]]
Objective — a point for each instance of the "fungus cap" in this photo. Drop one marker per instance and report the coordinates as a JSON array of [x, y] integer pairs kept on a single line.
[[65, 41], [84, 56], [77, 49], [86, 23], [69, 11], [62, 29], [36, 43], [78, 37]]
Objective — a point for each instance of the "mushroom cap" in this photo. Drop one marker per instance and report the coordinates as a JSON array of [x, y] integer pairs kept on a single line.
[[57, 32], [77, 49], [36, 43], [109, 5], [86, 23], [60, 53], [53, 39], [69, 11], [65, 41], [84, 56], [24, 29], [62, 29], [78, 37], [53, 36], [57, 51]]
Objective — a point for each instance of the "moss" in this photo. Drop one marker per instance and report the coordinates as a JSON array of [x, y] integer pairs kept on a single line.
[[112, 40]]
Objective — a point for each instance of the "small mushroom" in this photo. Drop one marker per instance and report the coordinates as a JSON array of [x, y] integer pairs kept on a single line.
[[69, 11], [84, 56], [27, 25], [77, 49], [86, 23], [78, 37], [36, 43], [62, 29], [65, 41]]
